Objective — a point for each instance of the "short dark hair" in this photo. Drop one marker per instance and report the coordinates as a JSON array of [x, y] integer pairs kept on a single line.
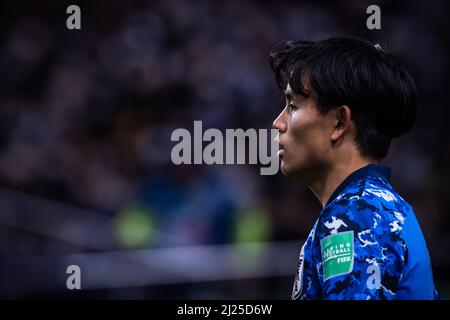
[[374, 84]]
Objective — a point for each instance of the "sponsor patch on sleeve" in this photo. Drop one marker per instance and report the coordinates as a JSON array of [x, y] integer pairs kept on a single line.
[[337, 254]]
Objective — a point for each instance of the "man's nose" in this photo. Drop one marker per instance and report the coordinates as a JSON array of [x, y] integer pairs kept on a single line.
[[280, 123]]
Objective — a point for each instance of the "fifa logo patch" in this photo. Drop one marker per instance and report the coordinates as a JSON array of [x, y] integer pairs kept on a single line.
[[337, 254]]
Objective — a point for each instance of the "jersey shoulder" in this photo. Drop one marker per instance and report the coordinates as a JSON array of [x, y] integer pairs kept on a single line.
[[368, 203]]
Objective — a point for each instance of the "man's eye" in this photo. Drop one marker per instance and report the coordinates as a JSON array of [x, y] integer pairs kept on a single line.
[[291, 107]]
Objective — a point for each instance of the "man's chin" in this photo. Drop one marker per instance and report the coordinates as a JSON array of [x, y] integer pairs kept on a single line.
[[293, 173], [285, 169]]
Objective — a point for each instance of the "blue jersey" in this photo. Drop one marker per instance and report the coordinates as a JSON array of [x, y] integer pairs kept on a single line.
[[366, 244]]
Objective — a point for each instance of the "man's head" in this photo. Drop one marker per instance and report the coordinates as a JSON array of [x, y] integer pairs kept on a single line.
[[344, 97]]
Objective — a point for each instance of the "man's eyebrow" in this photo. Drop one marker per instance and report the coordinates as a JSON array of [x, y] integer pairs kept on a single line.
[[289, 96]]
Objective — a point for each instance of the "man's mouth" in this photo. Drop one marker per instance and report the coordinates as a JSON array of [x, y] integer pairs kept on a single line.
[[280, 147], [280, 152]]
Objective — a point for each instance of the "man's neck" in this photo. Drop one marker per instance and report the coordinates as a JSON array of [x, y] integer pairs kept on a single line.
[[324, 186]]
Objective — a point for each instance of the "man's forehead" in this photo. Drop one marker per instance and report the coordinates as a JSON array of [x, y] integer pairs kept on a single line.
[[288, 90], [291, 95], [288, 93]]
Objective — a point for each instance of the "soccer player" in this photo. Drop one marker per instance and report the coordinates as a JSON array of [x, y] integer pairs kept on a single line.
[[346, 99]]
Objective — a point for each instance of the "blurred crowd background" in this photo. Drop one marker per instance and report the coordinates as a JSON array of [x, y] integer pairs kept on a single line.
[[85, 123]]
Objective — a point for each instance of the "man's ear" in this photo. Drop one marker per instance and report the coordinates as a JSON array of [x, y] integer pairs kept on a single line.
[[342, 122]]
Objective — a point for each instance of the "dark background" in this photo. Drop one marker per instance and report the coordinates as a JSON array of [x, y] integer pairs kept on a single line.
[[85, 124]]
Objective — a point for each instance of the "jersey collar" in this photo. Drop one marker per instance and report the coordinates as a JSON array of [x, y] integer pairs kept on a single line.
[[372, 170]]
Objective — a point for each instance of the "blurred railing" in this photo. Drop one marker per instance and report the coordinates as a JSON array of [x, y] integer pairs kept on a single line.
[[89, 235]]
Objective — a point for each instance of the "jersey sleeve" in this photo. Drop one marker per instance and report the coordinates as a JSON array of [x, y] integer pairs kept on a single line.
[[360, 252]]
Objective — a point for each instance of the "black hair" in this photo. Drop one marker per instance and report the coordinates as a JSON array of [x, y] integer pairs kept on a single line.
[[374, 84]]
